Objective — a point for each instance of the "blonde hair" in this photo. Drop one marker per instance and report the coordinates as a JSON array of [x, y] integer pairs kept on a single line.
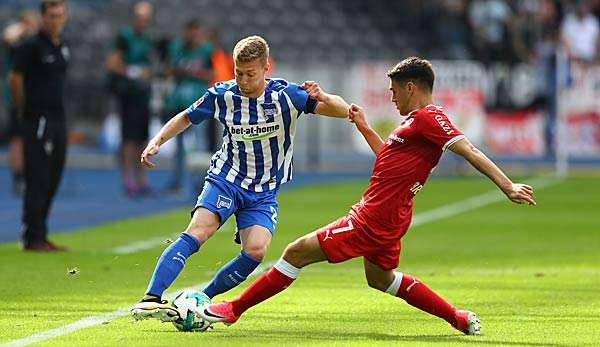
[[251, 48]]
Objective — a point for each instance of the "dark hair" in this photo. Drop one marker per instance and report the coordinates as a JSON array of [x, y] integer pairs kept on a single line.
[[46, 4], [413, 69]]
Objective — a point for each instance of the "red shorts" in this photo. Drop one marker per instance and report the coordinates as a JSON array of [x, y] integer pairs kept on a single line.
[[344, 239]]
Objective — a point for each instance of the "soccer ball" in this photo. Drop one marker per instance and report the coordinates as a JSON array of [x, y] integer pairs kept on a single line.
[[185, 303]]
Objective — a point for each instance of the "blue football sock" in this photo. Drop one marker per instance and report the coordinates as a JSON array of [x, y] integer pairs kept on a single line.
[[171, 263], [232, 274]]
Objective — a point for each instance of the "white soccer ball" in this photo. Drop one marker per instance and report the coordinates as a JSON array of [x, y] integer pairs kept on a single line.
[[185, 303]]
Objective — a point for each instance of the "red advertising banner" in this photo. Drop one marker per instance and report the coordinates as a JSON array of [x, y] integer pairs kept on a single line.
[[583, 131], [518, 133]]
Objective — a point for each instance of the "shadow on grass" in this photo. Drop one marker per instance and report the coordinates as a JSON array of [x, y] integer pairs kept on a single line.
[[259, 336]]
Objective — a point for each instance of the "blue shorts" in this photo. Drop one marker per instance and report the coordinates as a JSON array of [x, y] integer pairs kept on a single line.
[[250, 208]]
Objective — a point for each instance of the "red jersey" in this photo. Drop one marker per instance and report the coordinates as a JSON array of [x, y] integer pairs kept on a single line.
[[402, 167]]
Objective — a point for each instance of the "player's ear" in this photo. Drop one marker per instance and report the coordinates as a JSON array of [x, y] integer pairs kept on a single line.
[[267, 68], [411, 87]]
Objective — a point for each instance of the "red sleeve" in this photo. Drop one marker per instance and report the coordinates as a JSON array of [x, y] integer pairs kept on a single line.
[[437, 128]]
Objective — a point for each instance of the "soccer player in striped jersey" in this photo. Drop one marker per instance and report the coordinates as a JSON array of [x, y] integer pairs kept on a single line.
[[374, 227], [260, 117]]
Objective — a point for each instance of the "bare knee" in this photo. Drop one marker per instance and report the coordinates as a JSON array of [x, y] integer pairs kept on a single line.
[[294, 253], [378, 283], [378, 278], [256, 251], [201, 232]]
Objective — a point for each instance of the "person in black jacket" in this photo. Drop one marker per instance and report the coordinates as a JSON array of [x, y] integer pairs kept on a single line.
[[37, 82]]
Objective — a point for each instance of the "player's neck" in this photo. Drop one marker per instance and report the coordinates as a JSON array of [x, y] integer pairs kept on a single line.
[[425, 100], [421, 102]]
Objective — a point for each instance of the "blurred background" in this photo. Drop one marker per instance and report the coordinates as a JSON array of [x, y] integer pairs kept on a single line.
[[520, 77]]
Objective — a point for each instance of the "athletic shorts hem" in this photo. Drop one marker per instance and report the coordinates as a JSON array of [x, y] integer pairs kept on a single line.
[[222, 219]]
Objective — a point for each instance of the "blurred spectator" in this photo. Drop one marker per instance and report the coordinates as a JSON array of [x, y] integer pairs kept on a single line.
[[27, 26], [525, 30], [452, 28], [191, 67], [546, 22], [37, 86], [579, 34], [222, 60], [130, 80], [490, 21]]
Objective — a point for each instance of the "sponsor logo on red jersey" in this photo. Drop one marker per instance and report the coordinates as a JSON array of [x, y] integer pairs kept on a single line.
[[444, 124]]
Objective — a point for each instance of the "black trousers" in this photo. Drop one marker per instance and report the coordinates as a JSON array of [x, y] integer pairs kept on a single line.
[[45, 145], [135, 117]]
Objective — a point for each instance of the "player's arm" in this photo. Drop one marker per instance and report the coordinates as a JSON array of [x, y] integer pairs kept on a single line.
[[173, 127], [24, 56], [357, 116], [516, 192], [115, 63], [329, 104], [15, 85]]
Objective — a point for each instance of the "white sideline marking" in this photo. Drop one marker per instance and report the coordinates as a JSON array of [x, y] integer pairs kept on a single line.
[[419, 219], [140, 245], [97, 320], [474, 202], [150, 243]]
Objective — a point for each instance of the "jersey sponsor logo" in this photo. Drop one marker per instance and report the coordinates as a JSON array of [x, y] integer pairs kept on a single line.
[[254, 132], [223, 201], [416, 188], [396, 138], [444, 124]]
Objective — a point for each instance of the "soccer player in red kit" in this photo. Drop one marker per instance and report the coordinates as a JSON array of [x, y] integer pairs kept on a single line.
[[374, 226]]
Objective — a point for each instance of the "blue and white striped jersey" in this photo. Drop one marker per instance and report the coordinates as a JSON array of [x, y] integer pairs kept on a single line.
[[258, 140]]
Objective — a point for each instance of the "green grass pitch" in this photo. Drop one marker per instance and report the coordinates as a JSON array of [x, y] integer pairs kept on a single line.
[[532, 274]]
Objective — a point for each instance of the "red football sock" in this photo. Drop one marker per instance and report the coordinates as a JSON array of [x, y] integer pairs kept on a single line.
[[267, 285], [417, 294]]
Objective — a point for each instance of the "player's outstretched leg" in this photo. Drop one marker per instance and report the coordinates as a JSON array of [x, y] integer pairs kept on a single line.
[[419, 295], [203, 225], [255, 241], [304, 251]]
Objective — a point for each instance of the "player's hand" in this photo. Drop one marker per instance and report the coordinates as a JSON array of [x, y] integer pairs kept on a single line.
[[521, 194], [314, 90], [151, 149], [356, 115]]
